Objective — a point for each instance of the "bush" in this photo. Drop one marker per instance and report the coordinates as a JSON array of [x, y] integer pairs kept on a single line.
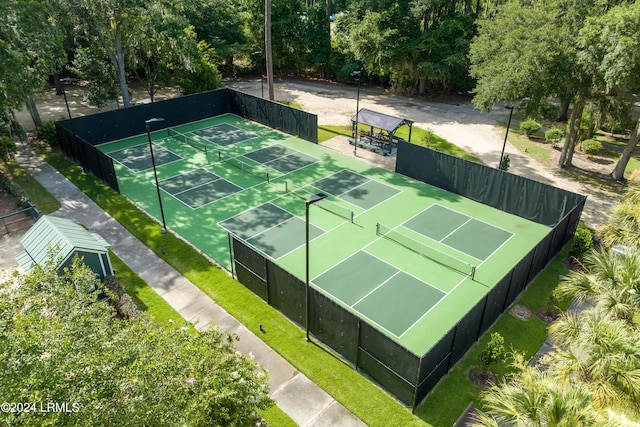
[[591, 146], [582, 241], [494, 351], [553, 134], [505, 163], [529, 127], [47, 132]]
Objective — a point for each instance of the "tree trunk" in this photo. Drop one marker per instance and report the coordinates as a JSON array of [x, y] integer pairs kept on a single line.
[[328, 10], [122, 75], [563, 111], [422, 86], [33, 111], [573, 135], [267, 40], [618, 171]]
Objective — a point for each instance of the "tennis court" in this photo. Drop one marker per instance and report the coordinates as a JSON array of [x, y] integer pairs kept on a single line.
[[405, 256]]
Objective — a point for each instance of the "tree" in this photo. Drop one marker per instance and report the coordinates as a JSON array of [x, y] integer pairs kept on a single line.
[[168, 47], [624, 222], [610, 46], [220, 23], [524, 50], [531, 397], [92, 65], [60, 345], [599, 352], [610, 281], [204, 76], [380, 35], [27, 51], [537, 40], [114, 25]]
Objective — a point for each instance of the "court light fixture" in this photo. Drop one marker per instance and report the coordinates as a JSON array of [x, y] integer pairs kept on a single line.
[[153, 163], [314, 198]]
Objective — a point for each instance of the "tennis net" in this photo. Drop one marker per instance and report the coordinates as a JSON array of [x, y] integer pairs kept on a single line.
[[426, 251], [188, 140], [244, 166], [324, 204]]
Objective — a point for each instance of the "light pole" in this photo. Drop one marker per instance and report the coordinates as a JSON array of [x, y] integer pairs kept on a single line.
[[355, 134], [155, 174], [64, 93], [510, 108], [313, 199], [258, 52]]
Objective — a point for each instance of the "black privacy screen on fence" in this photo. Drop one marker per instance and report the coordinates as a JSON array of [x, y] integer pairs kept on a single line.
[[79, 135]]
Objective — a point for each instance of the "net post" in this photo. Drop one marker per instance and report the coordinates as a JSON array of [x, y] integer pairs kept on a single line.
[[377, 228], [473, 272], [268, 181], [351, 217], [286, 186], [219, 156]]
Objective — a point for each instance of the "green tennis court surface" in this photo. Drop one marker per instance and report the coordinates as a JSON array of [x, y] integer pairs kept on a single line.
[[224, 134], [138, 158], [408, 257]]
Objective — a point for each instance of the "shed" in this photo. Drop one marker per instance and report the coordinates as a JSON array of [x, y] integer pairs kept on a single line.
[[64, 239]]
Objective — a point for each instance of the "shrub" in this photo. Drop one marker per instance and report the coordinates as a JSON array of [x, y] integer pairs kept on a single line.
[[47, 132], [591, 146], [582, 241], [505, 163], [553, 134], [494, 351], [530, 127]]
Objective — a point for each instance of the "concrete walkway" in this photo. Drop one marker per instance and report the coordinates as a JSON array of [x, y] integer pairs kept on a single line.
[[306, 403]]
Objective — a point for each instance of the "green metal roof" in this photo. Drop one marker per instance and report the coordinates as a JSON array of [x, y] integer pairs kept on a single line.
[[63, 235]]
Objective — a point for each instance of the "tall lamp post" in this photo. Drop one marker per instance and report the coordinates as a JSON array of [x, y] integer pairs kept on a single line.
[[354, 135], [313, 199], [258, 52], [504, 145], [155, 174], [64, 93]]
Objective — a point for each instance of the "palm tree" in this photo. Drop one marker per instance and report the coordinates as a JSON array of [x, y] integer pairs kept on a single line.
[[533, 398], [624, 225], [610, 281], [599, 352]]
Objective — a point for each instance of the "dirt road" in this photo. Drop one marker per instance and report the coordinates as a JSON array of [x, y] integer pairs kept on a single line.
[[461, 124]]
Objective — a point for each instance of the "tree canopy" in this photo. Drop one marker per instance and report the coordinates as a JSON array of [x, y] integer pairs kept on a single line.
[[59, 345]]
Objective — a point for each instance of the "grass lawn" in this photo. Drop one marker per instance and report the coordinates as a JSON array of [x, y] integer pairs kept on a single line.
[[365, 399], [38, 195]]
